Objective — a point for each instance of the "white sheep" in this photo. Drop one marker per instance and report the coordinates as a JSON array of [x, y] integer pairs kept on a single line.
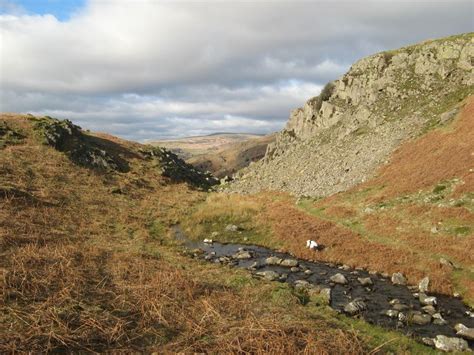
[[311, 244]]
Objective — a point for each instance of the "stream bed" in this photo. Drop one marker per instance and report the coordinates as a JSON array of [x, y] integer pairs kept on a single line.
[[353, 292]]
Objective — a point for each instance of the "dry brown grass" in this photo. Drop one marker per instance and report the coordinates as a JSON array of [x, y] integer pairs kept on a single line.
[[86, 269], [437, 156]]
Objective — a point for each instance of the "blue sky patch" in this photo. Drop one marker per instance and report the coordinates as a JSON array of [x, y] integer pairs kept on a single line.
[[61, 9]]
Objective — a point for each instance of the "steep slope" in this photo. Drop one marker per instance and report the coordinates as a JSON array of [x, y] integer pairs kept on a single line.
[[340, 137], [232, 157]]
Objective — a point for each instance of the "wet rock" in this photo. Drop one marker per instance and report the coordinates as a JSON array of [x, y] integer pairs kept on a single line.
[[365, 281], [255, 265], [427, 300], [438, 319], [269, 275], [308, 272], [429, 309], [419, 318], [402, 317], [399, 279], [295, 269], [289, 263], [338, 279], [400, 307], [355, 307], [465, 332], [424, 284], [273, 260], [242, 255], [391, 313], [448, 344], [394, 301]]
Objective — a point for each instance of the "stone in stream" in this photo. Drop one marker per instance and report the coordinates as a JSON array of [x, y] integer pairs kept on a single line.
[[399, 279], [438, 319], [365, 281], [308, 272], [402, 317], [269, 275], [255, 265], [289, 263], [465, 332], [273, 260], [427, 300], [242, 255], [394, 301], [391, 313], [295, 269], [419, 318], [400, 307], [445, 343], [424, 284], [429, 309], [355, 307], [338, 279], [283, 277]]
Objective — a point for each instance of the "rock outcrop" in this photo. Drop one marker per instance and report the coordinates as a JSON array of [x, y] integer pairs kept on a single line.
[[337, 139]]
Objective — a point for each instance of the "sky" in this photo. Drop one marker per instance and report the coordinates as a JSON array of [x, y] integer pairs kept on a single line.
[[153, 69]]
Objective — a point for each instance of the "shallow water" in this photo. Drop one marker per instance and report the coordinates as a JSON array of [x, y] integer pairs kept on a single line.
[[376, 297]]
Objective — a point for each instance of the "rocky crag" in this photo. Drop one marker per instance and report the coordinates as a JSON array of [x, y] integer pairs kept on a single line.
[[339, 138]]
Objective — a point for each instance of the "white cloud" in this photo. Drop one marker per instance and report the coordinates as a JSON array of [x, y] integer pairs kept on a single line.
[[150, 63]]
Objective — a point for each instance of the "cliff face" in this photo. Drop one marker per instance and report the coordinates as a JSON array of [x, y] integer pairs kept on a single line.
[[338, 138]]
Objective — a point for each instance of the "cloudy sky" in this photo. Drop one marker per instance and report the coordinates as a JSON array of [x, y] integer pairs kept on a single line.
[[145, 69]]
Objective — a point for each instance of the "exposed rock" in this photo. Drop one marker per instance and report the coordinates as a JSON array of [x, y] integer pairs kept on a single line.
[[399, 279], [338, 279], [465, 332], [269, 275], [308, 272], [448, 344], [427, 300], [339, 138], [428, 341], [273, 260], [419, 318], [365, 281], [391, 313], [424, 284], [243, 254], [438, 319], [295, 269], [289, 263], [400, 307], [429, 309], [355, 307]]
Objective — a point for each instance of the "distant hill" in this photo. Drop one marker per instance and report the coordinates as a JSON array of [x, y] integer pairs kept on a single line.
[[223, 154]]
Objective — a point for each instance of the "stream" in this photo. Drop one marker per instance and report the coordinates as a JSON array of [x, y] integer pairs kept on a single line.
[[370, 301]]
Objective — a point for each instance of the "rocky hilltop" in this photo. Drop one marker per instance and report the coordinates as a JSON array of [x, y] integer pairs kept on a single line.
[[337, 139]]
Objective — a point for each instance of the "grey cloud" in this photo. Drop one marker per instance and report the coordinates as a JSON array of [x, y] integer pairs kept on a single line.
[[162, 68]]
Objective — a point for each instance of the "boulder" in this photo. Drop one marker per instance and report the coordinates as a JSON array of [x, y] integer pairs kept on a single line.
[[419, 318], [365, 281], [338, 279], [399, 279], [465, 332], [289, 263], [355, 307], [427, 300], [424, 284], [231, 228], [273, 260], [448, 344], [326, 295], [438, 319], [429, 309], [242, 255], [269, 275]]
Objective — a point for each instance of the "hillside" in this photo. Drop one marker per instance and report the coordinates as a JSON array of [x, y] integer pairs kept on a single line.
[[340, 137], [231, 158], [190, 147], [89, 262]]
